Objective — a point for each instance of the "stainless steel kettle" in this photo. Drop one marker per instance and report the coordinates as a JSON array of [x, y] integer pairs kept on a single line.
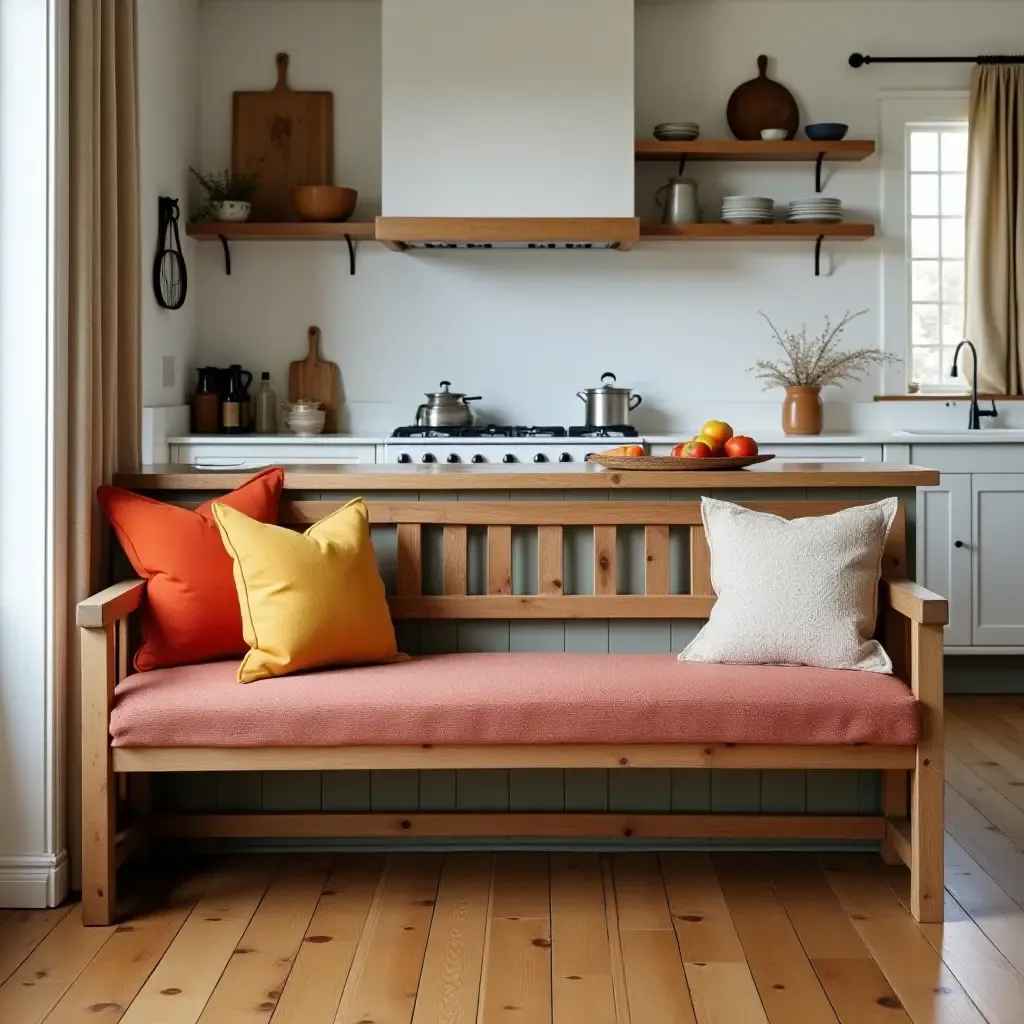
[[446, 408]]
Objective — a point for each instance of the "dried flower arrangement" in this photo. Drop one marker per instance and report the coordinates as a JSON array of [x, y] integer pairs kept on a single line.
[[817, 363]]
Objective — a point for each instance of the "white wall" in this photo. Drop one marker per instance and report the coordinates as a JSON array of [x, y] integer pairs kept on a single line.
[[678, 323], [33, 863], [518, 109], [169, 141]]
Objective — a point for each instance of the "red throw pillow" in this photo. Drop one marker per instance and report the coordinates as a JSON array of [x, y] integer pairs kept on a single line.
[[191, 609]]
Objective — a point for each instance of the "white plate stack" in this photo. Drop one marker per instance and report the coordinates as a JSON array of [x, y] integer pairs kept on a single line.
[[816, 210], [748, 210], [677, 131]]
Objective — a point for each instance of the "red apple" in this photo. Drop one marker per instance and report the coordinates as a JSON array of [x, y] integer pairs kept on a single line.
[[740, 447], [695, 450]]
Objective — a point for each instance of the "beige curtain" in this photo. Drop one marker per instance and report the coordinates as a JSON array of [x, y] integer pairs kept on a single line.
[[103, 313], [994, 268]]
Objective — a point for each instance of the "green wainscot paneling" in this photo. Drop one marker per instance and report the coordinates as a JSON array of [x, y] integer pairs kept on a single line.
[[633, 791]]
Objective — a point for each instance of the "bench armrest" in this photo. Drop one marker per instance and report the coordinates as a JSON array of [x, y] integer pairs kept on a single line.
[[916, 603], [110, 605]]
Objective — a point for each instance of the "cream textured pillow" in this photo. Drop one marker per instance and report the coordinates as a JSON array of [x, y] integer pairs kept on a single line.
[[794, 591]]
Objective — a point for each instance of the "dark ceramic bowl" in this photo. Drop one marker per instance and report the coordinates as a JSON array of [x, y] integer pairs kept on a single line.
[[826, 131]]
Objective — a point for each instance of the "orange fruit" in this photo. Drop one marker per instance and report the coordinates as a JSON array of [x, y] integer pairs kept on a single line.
[[717, 429]]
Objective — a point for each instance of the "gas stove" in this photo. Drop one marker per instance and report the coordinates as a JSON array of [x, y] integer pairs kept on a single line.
[[496, 443]]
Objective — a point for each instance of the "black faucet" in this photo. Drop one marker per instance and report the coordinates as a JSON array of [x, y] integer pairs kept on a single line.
[[974, 413]]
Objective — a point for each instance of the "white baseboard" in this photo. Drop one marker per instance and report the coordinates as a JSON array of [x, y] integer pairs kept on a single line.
[[33, 880]]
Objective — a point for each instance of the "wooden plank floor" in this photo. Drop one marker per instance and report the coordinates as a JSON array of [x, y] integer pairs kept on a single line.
[[533, 938]]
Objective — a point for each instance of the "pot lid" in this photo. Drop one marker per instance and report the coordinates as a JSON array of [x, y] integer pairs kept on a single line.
[[447, 397], [608, 389]]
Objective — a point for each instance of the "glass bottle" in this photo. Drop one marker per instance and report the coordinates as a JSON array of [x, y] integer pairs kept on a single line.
[[231, 406], [266, 407]]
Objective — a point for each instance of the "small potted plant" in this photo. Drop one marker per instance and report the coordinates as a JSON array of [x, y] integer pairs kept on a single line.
[[808, 366], [227, 195]]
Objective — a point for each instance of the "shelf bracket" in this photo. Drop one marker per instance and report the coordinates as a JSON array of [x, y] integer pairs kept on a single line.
[[227, 254], [817, 255], [817, 172], [351, 255], [682, 165]]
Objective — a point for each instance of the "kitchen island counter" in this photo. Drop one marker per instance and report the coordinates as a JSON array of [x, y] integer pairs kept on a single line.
[[767, 476]]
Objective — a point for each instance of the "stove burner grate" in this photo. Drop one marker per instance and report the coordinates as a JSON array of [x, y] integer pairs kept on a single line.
[[491, 430]]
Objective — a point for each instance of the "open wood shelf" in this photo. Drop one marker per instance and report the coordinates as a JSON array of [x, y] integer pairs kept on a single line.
[[778, 231], [739, 149], [299, 231]]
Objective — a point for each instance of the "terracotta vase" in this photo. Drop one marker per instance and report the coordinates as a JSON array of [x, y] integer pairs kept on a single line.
[[802, 411]]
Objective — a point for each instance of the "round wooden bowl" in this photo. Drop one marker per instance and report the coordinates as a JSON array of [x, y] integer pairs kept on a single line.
[[324, 202], [670, 462]]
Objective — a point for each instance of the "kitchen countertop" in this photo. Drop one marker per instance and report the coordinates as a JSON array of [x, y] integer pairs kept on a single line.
[[993, 435], [512, 478]]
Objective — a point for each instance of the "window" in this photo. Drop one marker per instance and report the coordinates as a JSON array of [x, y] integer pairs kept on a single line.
[[936, 165]]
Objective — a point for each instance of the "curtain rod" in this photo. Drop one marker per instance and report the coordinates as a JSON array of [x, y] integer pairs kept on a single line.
[[859, 60]]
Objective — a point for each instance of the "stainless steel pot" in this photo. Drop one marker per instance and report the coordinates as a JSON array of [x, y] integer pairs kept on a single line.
[[608, 406], [446, 408]]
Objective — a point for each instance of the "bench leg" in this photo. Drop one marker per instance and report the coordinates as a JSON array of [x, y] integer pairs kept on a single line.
[[927, 780], [98, 784], [894, 806]]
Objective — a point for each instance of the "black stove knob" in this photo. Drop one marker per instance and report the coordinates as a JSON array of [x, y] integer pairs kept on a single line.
[[405, 457], [508, 458], [565, 457], [429, 458], [478, 458], [540, 457], [453, 457]]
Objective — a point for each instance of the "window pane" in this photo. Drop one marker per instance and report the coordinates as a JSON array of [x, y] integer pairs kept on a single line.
[[926, 368], [924, 151], [924, 324], [952, 323], [954, 151], [952, 282], [953, 192], [924, 280], [924, 238], [924, 195], [953, 238]]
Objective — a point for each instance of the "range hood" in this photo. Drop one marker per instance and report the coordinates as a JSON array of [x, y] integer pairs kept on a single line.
[[403, 233], [508, 124]]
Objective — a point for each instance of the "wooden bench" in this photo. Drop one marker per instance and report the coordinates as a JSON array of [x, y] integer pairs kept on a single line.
[[116, 805]]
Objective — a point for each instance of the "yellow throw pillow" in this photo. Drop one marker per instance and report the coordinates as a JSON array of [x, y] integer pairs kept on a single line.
[[308, 600]]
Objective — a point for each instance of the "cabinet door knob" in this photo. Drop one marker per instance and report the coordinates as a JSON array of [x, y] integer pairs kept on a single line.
[[958, 544]]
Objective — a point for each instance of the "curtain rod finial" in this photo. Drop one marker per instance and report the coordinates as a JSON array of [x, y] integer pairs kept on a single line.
[[858, 59]]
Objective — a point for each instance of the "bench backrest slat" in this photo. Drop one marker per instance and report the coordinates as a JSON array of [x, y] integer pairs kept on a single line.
[[549, 520]]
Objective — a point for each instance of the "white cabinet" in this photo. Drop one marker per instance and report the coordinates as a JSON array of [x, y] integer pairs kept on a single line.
[[944, 548], [997, 536]]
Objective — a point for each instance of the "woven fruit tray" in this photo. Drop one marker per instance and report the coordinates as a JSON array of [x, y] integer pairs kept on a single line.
[[670, 462]]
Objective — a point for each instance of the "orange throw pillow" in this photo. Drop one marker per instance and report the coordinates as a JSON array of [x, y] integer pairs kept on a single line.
[[191, 609]]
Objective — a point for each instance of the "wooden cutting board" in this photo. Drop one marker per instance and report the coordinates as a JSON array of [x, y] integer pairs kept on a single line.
[[317, 379], [762, 103], [288, 137]]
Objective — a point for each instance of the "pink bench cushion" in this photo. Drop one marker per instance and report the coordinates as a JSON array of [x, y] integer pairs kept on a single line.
[[513, 699]]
